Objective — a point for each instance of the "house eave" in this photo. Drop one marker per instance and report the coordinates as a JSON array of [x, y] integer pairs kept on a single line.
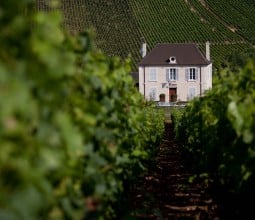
[[173, 65]]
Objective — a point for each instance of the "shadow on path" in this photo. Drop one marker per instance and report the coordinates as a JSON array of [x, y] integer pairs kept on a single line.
[[165, 192]]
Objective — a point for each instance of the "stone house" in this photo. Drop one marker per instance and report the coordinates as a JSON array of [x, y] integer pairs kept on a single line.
[[174, 72]]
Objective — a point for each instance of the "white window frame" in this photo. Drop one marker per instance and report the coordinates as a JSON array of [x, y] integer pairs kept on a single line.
[[172, 74], [153, 94], [192, 73], [153, 75]]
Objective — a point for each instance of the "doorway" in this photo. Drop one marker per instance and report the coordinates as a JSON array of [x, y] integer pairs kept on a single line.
[[172, 94], [162, 98]]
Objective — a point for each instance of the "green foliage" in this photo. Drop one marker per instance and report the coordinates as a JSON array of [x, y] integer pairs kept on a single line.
[[176, 115], [218, 130], [121, 25], [240, 16], [237, 60], [73, 129]]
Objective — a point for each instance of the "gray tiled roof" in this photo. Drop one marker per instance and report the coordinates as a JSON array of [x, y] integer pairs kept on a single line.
[[185, 54]]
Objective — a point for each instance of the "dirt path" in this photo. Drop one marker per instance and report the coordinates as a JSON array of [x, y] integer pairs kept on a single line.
[[166, 192]]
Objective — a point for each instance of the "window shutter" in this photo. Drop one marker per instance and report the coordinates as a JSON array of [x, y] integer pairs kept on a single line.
[[196, 73], [167, 75], [187, 74], [153, 75], [191, 93], [177, 74], [153, 94]]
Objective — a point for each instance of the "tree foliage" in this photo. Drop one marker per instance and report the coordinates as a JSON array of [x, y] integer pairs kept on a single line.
[[73, 128], [218, 129]]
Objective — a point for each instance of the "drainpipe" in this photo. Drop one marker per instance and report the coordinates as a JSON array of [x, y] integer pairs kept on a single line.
[[143, 51]]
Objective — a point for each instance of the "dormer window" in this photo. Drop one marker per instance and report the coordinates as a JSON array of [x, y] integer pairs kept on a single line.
[[172, 59]]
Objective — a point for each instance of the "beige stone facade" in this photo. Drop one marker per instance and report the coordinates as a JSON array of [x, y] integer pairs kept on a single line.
[[170, 80], [186, 88]]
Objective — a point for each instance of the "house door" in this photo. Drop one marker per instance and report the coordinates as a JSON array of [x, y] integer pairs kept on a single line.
[[162, 98], [172, 94]]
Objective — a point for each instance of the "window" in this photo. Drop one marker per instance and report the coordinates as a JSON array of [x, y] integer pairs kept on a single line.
[[171, 74], [172, 60], [191, 74], [153, 75], [153, 94], [192, 93]]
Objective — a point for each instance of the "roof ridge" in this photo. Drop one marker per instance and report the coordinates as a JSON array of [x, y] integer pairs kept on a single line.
[[185, 53], [164, 43]]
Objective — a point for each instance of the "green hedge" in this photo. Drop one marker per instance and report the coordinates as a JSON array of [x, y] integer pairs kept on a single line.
[[73, 128], [218, 130]]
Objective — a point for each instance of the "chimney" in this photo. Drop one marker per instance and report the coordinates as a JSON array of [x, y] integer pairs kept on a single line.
[[207, 50], [143, 50]]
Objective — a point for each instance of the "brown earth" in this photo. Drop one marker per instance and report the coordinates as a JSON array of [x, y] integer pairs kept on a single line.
[[167, 190]]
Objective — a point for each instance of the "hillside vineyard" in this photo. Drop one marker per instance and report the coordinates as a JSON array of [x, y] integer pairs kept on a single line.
[[121, 26]]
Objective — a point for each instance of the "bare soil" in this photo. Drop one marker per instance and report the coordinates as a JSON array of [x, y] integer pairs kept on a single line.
[[167, 192]]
